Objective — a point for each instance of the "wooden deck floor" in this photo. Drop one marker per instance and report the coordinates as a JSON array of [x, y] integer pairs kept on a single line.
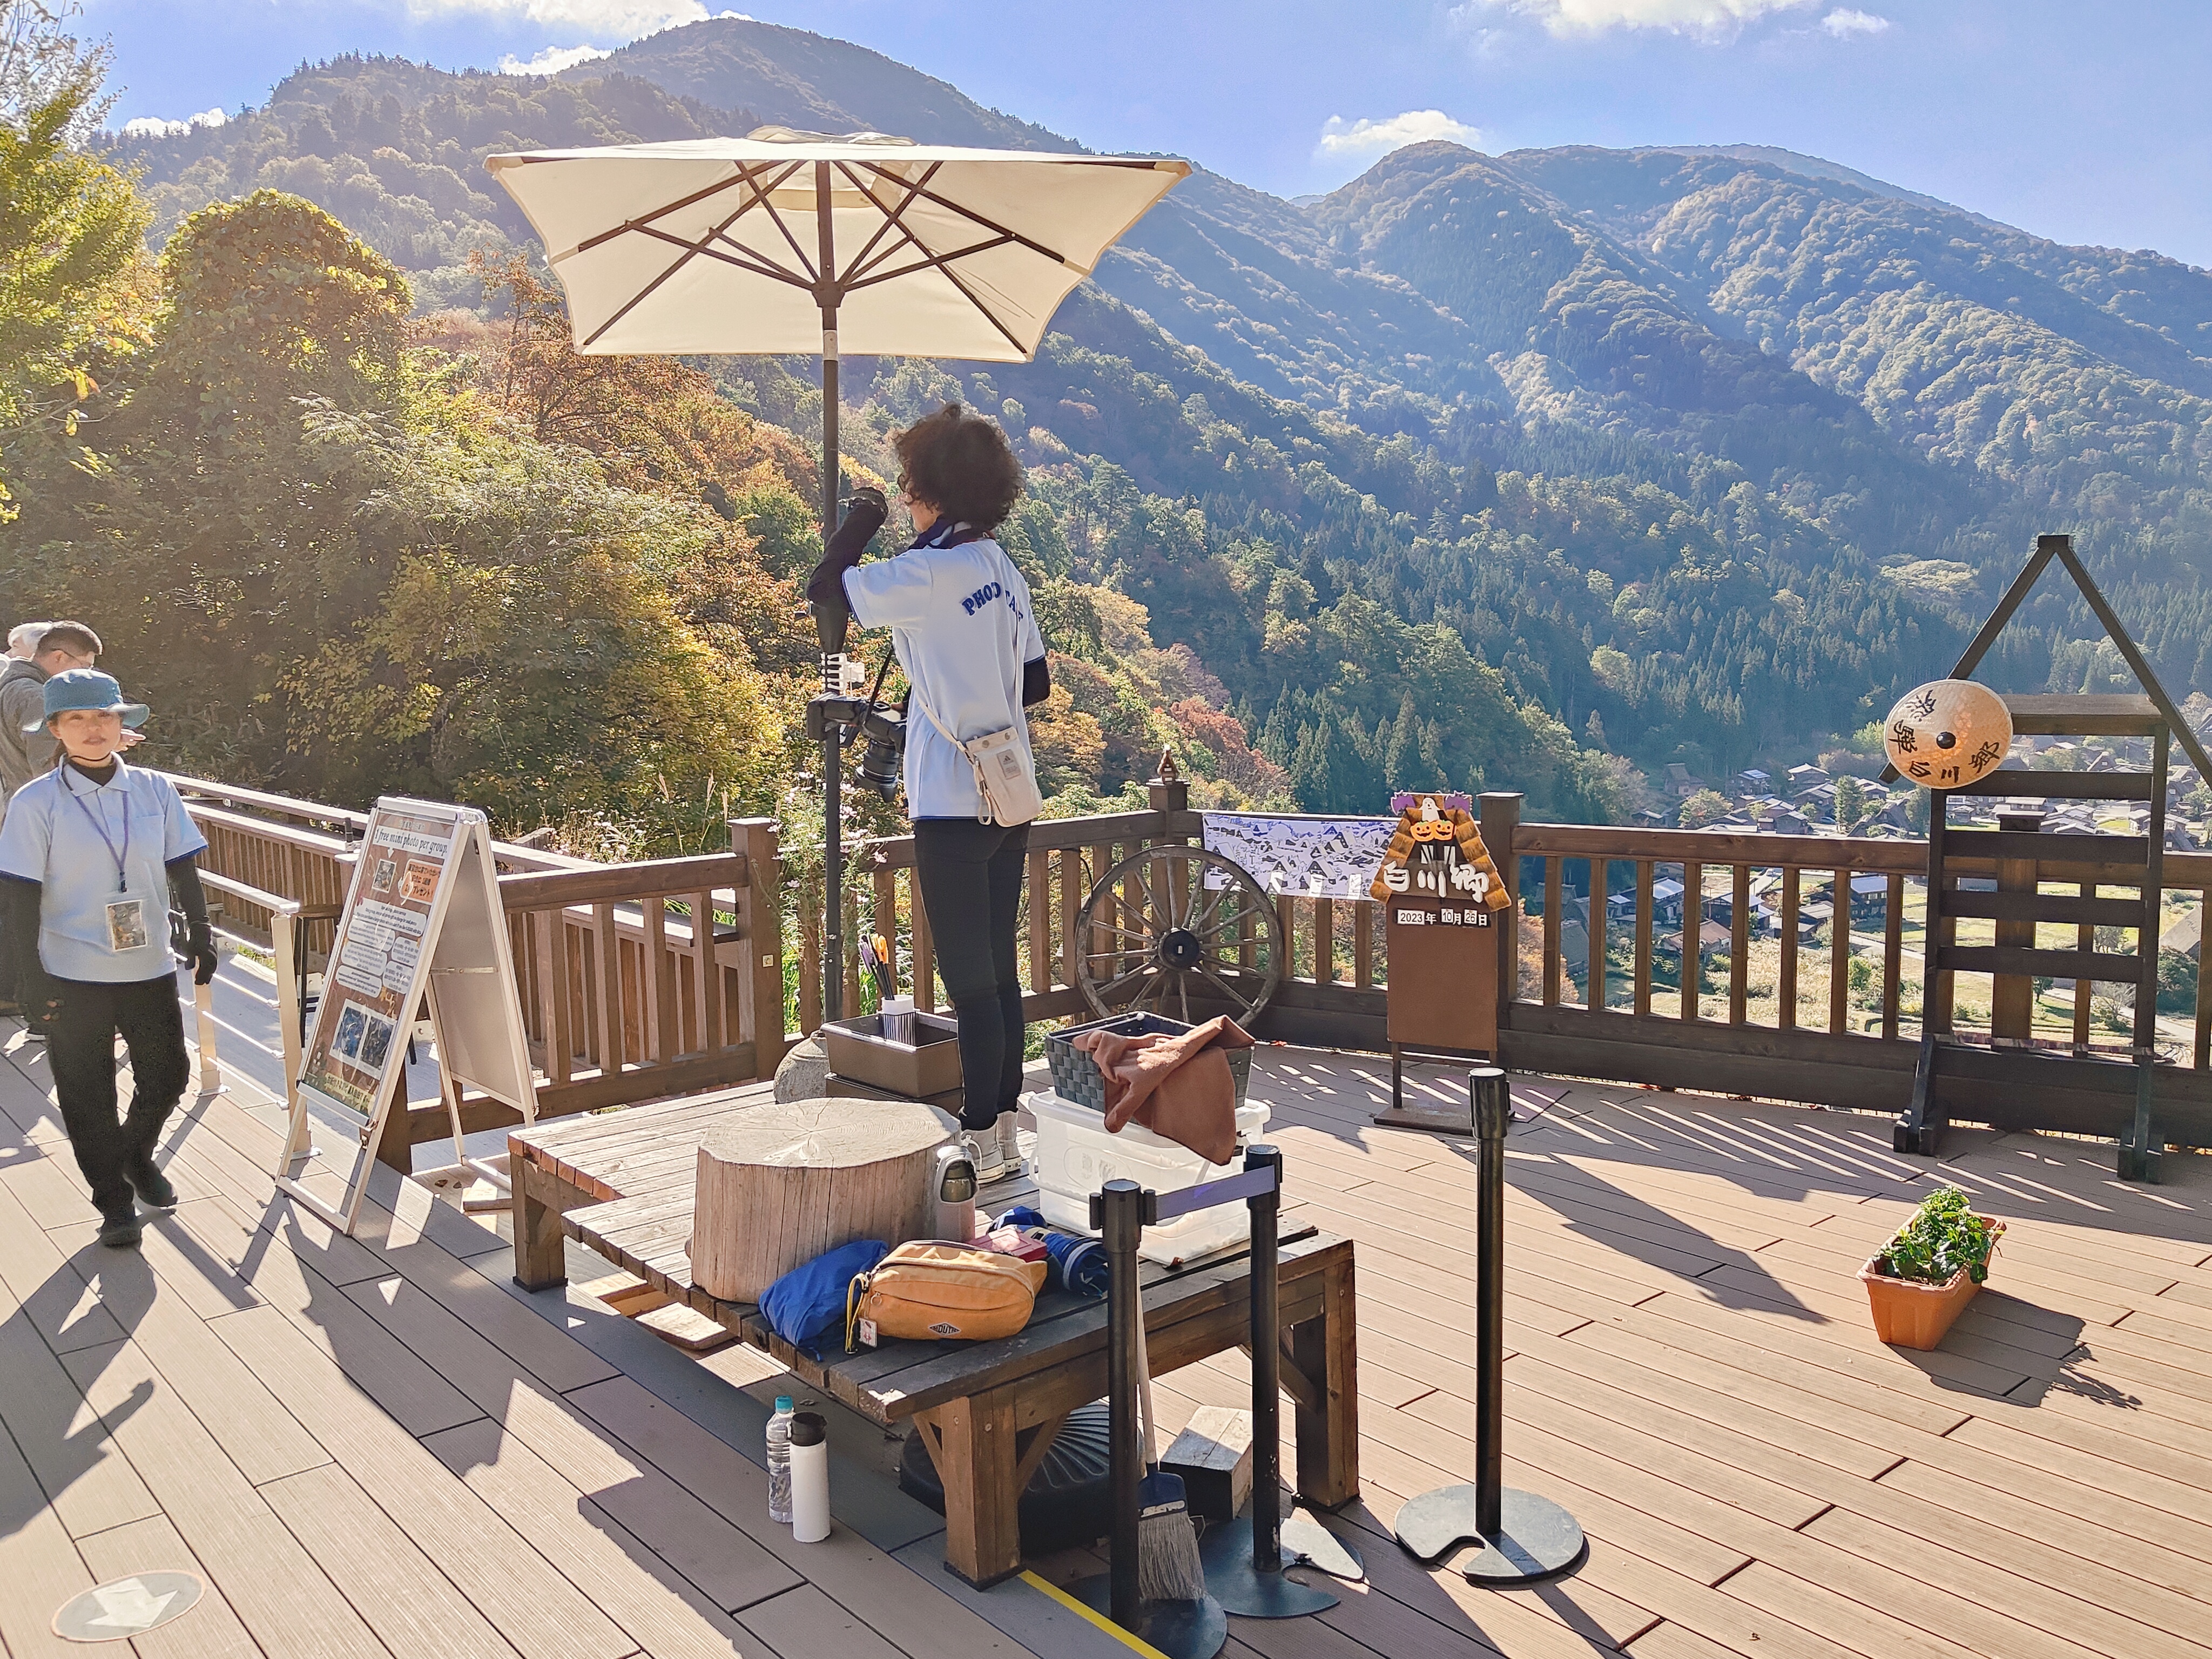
[[381, 1447]]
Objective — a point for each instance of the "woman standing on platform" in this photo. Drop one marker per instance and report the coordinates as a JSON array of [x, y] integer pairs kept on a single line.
[[962, 625]]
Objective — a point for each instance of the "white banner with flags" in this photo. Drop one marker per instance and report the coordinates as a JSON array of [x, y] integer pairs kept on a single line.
[[1315, 857]]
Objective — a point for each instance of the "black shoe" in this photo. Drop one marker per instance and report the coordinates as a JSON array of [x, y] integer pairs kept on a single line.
[[151, 1185], [119, 1229]]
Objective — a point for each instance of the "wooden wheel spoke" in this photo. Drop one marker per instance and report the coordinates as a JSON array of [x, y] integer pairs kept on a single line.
[[1242, 1001], [1114, 985]]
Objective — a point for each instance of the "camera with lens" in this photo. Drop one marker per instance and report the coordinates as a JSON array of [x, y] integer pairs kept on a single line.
[[883, 752]]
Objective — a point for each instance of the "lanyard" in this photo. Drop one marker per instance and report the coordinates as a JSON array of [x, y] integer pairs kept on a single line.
[[100, 822], [945, 533]]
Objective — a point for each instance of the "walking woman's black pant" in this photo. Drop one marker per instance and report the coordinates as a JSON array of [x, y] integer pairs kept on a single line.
[[971, 889], [80, 1048]]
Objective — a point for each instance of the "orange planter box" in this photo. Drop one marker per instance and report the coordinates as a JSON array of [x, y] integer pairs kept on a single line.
[[1909, 1313]]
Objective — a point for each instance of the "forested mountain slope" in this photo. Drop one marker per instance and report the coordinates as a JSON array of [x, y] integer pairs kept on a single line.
[[1483, 466]]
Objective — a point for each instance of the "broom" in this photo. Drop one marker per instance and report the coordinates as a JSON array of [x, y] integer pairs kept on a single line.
[[1168, 1565]]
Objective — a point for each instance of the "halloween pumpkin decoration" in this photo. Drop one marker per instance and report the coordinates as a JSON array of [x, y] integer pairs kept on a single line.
[[1438, 853], [1949, 734]]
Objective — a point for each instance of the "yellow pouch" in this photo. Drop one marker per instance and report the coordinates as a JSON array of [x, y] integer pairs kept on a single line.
[[928, 1290]]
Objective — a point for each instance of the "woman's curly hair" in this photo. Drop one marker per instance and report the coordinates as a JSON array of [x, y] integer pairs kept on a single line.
[[960, 463]]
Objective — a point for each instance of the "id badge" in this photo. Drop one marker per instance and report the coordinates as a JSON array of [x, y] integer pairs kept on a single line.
[[126, 925]]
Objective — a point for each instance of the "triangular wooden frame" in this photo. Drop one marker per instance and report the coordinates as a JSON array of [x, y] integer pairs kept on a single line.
[[2061, 548]]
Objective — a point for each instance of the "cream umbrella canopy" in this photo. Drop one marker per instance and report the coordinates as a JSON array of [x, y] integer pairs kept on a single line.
[[788, 242]]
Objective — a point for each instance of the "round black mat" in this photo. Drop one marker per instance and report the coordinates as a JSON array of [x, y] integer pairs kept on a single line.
[[1064, 1504]]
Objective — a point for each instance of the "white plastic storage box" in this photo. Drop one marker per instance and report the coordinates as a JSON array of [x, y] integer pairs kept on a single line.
[[1076, 1156]]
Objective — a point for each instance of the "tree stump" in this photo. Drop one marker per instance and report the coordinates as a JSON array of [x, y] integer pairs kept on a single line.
[[780, 1184]]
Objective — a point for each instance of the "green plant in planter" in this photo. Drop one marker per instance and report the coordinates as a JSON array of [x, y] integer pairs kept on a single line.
[[1943, 1236]]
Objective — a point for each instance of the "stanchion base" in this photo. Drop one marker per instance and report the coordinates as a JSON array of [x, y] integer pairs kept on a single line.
[[1181, 1630], [1244, 1590], [1536, 1538], [1322, 1549]]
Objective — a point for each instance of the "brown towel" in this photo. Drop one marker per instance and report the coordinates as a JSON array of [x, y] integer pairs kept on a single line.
[[1177, 1083]]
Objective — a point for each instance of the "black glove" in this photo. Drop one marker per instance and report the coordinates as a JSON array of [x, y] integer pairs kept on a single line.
[[200, 952], [864, 514], [42, 998]]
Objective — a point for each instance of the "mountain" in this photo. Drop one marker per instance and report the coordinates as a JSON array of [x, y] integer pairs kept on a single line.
[[1701, 454]]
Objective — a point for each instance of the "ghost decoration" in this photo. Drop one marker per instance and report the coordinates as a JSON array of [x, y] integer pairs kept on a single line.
[[1948, 734]]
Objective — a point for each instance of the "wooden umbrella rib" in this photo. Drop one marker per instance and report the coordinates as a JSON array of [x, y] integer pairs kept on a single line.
[[739, 254], [970, 213], [932, 261], [690, 251], [898, 222], [646, 219], [892, 218]]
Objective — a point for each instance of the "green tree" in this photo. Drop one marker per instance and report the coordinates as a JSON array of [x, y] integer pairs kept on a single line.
[[1702, 808], [1851, 803], [74, 287]]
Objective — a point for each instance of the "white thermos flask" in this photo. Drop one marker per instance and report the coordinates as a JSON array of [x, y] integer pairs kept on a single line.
[[809, 1478]]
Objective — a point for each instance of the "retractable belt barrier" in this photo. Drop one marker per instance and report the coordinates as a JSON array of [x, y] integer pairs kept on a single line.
[[1244, 1559]]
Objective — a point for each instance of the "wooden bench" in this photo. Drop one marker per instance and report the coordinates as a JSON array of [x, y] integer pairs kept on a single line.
[[621, 1184]]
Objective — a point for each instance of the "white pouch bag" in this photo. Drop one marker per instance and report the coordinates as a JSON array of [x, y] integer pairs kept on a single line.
[[1005, 775]]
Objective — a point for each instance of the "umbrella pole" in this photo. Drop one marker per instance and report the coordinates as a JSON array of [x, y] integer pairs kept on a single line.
[[833, 756]]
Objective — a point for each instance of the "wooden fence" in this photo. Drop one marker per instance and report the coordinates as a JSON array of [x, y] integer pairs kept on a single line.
[[638, 981]]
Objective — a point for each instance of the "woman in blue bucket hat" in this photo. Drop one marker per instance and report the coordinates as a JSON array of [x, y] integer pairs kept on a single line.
[[90, 853]]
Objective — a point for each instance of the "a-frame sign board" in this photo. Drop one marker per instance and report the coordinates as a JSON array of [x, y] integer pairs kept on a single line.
[[2020, 905], [422, 926]]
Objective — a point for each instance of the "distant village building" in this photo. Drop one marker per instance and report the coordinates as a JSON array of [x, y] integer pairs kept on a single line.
[[1752, 781], [1681, 781]]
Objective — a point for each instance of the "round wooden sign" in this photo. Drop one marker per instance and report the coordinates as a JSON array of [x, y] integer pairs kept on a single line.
[[1949, 733]]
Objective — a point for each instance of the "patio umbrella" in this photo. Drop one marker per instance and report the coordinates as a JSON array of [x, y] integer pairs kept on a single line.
[[786, 242]]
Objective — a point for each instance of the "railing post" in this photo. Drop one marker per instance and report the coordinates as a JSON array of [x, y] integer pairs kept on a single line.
[[1500, 817], [759, 935]]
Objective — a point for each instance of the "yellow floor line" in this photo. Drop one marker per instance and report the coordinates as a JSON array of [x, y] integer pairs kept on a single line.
[[1135, 1644]]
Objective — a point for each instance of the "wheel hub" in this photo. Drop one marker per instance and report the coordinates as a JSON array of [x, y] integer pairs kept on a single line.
[[1179, 949]]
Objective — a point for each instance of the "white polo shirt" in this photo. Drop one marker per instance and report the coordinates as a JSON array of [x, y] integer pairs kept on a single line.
[[53, 834], [961, 623]]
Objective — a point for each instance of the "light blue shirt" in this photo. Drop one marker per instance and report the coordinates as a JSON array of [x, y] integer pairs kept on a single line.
[[52, 836], [961, 622]]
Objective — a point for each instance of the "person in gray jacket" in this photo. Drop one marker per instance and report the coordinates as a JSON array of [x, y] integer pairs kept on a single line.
[[64, 646]]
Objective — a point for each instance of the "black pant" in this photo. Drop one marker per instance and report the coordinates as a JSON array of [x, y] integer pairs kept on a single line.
[[971, 889], [81, 1047]]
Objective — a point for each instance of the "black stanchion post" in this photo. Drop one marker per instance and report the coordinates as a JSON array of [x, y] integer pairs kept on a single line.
[[1179, 1630], [1523, 1537], [1243, 1558], [1122, 1222]]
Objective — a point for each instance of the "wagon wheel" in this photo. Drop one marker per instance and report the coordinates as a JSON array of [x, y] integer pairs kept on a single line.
[[1169, 926]]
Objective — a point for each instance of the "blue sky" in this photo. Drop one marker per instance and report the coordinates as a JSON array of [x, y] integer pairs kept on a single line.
[[2085, 122]]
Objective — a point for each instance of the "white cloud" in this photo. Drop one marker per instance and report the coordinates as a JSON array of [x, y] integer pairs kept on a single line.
[[153, 126], [1699, 17], [616, 19], [1847, 21], [1415, 126], [551, 61]]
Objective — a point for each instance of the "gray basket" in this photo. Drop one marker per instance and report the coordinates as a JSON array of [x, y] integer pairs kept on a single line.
[[1075, 1075]]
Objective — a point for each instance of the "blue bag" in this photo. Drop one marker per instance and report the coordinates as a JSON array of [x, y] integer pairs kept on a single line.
[[808, 1303]]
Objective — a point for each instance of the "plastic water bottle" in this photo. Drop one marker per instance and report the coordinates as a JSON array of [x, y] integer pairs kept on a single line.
[[778, 1461]]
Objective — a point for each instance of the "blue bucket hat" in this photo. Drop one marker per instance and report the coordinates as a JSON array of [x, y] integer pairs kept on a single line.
[[87, 688]]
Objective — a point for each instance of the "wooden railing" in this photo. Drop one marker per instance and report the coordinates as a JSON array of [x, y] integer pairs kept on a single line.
[[1792, 1006], [1332, 993], [627, 994], [1830, 1013], [1778, 999]]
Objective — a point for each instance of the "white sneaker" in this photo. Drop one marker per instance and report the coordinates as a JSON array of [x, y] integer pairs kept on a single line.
[[1010, 1144], [982, 1150]]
